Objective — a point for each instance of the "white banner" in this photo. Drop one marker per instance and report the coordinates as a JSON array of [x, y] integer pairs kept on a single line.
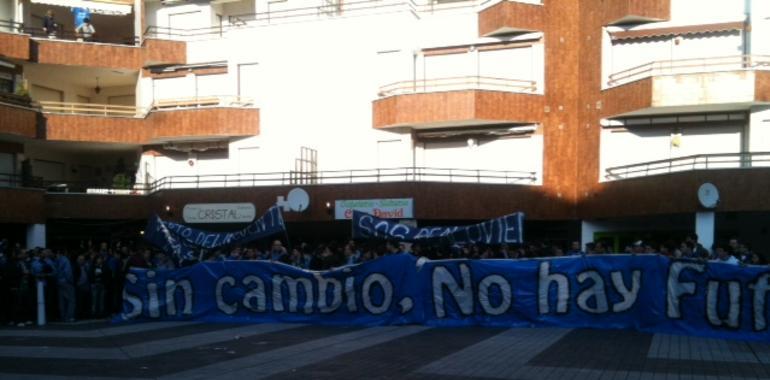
[[401, 208], [219, 213]]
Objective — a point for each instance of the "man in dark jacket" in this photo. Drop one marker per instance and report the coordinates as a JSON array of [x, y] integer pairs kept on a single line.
[[100, 278], [49, 24]]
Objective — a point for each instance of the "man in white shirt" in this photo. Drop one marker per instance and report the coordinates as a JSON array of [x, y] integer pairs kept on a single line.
[[86, 30]]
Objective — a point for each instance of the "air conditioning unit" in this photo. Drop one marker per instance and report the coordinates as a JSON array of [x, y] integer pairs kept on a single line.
[[172, 2]]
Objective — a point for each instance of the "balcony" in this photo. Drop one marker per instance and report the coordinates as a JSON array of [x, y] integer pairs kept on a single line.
[[21, 205], [13, 44], [27, 43], [747, 160], [283, 12], [315, 10], [18, 116], [458, 101], [717, 84], [511, 17], [618, 12], [129, 55], [512, 191], [190, 119]]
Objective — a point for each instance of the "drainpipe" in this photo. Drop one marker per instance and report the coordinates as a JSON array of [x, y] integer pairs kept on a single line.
[[747, 5], [745, 160]]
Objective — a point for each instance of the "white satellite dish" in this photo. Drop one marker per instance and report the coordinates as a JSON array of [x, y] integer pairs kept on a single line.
[[708, 195], [298, 200]]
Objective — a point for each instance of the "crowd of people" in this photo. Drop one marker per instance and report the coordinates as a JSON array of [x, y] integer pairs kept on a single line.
[[88, 282]]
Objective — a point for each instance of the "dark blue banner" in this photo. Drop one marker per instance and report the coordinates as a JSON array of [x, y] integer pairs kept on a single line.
[[503, 230], [646, 292], [185, 243]]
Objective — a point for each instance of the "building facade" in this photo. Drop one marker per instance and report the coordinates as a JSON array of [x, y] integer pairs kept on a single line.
[[597, 118]]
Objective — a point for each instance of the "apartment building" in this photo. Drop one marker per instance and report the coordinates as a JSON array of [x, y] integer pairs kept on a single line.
[[597, 118]]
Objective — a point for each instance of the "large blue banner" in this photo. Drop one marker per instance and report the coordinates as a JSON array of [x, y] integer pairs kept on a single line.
[[377, 293], [185, 243], [645, 292], [503, 230]]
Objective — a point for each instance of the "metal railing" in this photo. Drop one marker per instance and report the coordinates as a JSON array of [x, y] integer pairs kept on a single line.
[[91, 109], [10, 26], [112, 110], [10, 180], [61, 186], [689, 66], [689, 163], [71, 35], [356, 176], [458, 83], [167, 33], [323, 9], [16, 100], [203, 101]]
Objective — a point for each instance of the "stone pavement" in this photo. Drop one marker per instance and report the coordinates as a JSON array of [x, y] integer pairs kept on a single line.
[[186, 350]]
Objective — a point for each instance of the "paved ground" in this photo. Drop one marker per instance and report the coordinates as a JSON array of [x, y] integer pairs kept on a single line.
[[167, 350]]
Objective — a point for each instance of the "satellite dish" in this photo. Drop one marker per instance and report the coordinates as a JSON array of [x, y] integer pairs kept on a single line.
[[298, 199], [708, 195]]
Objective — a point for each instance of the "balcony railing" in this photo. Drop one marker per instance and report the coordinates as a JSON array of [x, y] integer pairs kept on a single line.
[[16, 100], [54, 186], [10, 26], [690, 163], [409, 174], [690, 66], [458, 83], [167, 33], [90, 109], [203, 101], [357, 176], [112, 110], [322, 10]]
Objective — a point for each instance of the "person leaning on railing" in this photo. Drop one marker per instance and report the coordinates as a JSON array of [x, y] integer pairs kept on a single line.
[[49, 24], [85, 31]]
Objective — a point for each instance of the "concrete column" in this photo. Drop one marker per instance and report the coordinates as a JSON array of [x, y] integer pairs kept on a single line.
[[36, 236], [587, 230], [704, 227], [139, 20]]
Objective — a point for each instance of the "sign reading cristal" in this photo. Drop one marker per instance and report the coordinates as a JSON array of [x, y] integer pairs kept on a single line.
[[219, 213], [401, 208]]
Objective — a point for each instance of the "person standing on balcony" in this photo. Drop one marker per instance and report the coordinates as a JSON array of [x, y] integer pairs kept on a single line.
[[86, 30], [49, 24]]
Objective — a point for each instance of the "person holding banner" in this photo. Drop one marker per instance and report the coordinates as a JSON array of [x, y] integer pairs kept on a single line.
[[278, 252]]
